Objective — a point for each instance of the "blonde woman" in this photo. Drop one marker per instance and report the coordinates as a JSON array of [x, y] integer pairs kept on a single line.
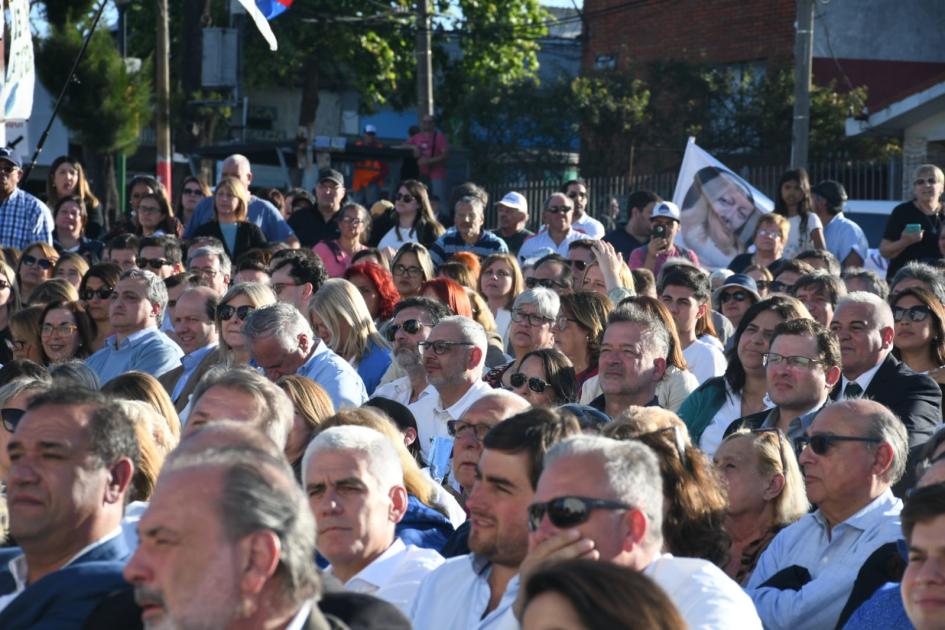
[[312, 405], [339, 316], [143, 387], [500, 282], [229, 225], [411, 267], [71, 267], [36, 267], [235, 306], [9, 304]]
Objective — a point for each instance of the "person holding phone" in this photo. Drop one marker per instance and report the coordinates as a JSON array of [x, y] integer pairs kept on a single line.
[[914, 226], [664, 226]]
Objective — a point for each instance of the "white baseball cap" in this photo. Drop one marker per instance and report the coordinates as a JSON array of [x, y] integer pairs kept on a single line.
[[515, 200], [666, 209]]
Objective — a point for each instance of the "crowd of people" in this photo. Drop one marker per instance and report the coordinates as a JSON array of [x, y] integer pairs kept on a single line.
[[298, 411]]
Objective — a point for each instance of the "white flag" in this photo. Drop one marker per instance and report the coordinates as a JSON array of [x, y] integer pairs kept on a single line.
[[261, 22]]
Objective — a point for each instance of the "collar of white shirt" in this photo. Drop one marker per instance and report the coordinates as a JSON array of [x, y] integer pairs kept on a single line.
[[379, 572], [864, 379], [478, 389]]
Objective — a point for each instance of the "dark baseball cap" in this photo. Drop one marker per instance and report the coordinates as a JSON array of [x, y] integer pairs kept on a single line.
[[10, 156], [331, 175], [832, 191]]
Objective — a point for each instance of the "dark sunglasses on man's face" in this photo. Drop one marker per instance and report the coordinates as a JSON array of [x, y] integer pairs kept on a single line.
[[11, 417], [103, 294], [547, 283], [776, 286], [31, 261], [580, 265], [410, 326], [534, 383], [564, 512], [820, 443], [153, 263], [226, 312]]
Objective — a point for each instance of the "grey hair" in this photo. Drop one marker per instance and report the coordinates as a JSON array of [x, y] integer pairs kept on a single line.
[[568, 201], [632, 471], [882, 313], [653, 334], [382, 460], [23, 384], [545, 300], [877, 284], [928, 168], [469, 330], [884, 425], [211, 249], [282, 320], [258, 493], [157, 292], [471, 200], [276, 412], [922, 272], [74, 372]]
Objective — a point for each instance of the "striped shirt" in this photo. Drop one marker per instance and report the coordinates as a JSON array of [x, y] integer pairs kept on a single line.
[[451, 242], [24, 219]]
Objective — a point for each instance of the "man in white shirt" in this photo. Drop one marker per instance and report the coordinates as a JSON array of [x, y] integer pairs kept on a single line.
[[685, 290], [453, 356], [816, 572], [413, 320], [576, 190], [558, 233], [355, 486], [603, 499]]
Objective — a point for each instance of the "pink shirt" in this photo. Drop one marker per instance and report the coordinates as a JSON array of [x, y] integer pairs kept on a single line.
[[336, 259], [637, 257], [431, 144]]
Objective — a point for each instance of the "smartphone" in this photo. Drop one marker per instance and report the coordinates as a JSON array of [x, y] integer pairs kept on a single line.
[[913, 228]]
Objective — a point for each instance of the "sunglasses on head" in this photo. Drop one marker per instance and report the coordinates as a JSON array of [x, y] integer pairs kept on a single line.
[[820, 443], [31, 261], [534, 383], [11, 418], [226, 312], [410, 326], [103, 294], [917, 313], [564, 512]]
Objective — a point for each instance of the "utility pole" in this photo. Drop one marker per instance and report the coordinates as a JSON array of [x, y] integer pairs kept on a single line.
[[803, 51], [121, 163], [163, 119], [424, 56]]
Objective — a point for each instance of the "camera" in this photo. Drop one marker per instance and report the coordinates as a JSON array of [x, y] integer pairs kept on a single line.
[[659, 231]]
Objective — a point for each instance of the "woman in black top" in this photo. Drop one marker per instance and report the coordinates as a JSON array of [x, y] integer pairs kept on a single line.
[[902, 242], [230, 206]]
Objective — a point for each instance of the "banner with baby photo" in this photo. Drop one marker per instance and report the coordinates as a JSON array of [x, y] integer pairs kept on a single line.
[[720, 210]]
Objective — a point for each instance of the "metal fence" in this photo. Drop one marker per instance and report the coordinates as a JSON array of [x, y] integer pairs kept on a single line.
[[873, 179]]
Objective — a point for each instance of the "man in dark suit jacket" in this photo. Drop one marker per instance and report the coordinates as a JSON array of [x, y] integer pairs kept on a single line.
[[196, 332], [73, 455], [865, 328]]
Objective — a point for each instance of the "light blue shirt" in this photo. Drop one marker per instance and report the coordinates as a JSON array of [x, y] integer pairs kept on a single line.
[[456, 595], [833, 558], [147, 350], [260, 212], [190, 363], [336, 376], [844, 236]]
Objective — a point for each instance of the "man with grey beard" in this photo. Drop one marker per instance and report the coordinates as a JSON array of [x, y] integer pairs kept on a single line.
[[413, 320]]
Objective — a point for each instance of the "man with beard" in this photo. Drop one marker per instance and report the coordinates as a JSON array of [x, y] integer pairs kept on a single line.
[[477, 590], [413, 320]]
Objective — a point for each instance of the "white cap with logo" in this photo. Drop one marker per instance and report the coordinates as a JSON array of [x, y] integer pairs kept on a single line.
[[666, 209]]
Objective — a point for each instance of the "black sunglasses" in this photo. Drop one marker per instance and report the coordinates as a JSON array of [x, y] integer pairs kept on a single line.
[[820, 443], [410, 326], [103, 294], [580, 265], [564, 512], [763, 285], [547, 283], [776, 286], [11, 417], [917, 313], [404, 198], [534, 383], [153, 263], [457, 428], [738, 296], [225, 312], [30, 261]]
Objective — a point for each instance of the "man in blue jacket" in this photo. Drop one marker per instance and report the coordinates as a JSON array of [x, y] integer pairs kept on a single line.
[[72, 456]]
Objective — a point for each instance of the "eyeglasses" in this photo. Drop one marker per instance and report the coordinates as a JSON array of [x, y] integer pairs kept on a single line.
[[404, 198], [226, 312], [149, 209], [804, 363], [206, 272], [917, 313], [62, 329], [532, 320], [401, 270], [820, 443], [763, 285], [771, 233], [279, 287], [738, 296], [497, 273], [457, 428], [580, 265], [575, 194], [192, 191], [32, 261], [153, 263], [441, 347], [546, 283], [776, 286], [534, 383], [562, 322], [103, 294], [566, 512], [557, 209], [931, 181], [11, 418], [352, 220], [410, 326]]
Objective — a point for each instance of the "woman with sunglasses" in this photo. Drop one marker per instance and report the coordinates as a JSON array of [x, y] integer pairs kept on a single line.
[[24, 334], [579, 329], [920, 332], [70, 219], [545, 378], [9, 304], [742, 390], [914, 226], [762, 277], [735, 296], [235, 306], [67, 179], [354, 225], [411, 267], [156, 218], [340, 317], [410, 221], [229, 224], [192, 191], [377, 288], [534, 315], [71, 267], [94, 291], [36, 267], [66, 332], [765, 494], [500, 282]]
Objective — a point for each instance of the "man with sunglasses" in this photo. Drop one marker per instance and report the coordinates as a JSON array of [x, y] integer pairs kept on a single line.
[[161, 255], [817, 571], [196, 334], [576, 190], [602, 499], [454, 355], [413, 320], [865, 327], [477, 590], [26, 219], [557, 233], [552, 271]]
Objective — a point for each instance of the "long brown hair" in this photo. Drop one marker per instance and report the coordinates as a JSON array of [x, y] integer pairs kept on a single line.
[[425, 215], [937, 345]]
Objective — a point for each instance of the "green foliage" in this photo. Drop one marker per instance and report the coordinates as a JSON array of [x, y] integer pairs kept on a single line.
[[61, 12]]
